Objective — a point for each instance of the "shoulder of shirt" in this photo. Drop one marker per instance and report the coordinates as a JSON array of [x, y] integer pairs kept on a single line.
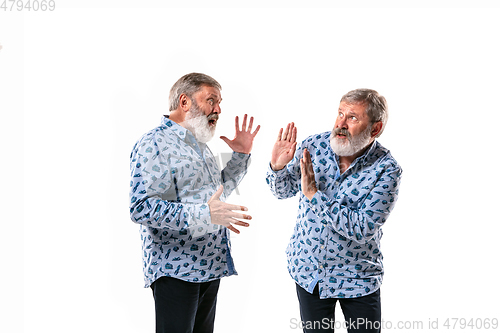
[[162, 131], [384, 156], [325, 136]]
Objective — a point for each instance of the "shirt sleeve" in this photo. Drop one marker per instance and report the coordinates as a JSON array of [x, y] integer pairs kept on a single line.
[[361, 224], [235, 170], [152, 194]]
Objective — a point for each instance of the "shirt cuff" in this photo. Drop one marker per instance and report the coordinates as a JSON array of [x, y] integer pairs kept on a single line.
[[242, 156], [276, 173], [316, 203]]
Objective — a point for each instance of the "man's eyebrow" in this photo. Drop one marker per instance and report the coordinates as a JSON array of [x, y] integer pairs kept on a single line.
[[217, 97], [348, 112]]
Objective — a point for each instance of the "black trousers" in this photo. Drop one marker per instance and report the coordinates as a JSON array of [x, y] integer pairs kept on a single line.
[[362, 314], [184, 307]]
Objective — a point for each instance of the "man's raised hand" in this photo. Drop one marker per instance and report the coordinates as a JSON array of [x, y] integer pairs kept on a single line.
[[308, 181], [284, 148], [243, 139]]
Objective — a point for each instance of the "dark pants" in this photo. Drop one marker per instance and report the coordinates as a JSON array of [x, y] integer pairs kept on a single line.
[[362, 314], [184, 307]]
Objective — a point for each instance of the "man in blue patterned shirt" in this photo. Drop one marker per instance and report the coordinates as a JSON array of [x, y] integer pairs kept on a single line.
[[177, 195], [348, 185]]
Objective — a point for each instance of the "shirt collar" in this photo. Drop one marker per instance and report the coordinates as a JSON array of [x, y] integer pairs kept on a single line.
[[174, 127], [181, 132], [369, 152]]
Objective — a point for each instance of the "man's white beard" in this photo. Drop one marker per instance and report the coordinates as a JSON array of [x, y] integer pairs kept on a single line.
[[349, 145], [197, 122]]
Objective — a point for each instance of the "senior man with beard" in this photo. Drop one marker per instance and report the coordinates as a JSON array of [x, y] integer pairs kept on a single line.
[[348, 184], [177, 196]]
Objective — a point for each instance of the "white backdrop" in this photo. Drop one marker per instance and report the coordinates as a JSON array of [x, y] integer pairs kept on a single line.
[[79, 85]]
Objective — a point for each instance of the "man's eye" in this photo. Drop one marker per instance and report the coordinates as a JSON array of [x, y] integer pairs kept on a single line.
[[211, 101], [354, 118]]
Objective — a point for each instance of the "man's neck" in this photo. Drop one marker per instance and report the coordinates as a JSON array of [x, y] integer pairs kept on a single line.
[[345, 163]]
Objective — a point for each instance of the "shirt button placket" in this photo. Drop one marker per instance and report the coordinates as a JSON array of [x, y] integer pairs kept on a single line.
[[322, 250]]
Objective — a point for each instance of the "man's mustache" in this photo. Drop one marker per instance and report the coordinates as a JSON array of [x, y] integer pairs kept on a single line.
[[213, 116], [342, 131]]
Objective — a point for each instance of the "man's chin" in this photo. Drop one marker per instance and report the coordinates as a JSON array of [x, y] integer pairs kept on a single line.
[[341, 148], [205, 135]]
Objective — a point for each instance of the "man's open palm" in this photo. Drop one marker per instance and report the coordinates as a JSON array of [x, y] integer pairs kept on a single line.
[[284, 148], [243, 139]]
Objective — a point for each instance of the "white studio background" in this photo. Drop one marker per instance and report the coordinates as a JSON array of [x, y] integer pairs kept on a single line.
[[82, 83]]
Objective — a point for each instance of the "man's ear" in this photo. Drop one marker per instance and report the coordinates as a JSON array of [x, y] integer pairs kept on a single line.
[[184, 102], [376, 128]]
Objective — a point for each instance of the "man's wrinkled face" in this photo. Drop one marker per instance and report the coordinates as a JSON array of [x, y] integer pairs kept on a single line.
[[352, 131], [203, 114]]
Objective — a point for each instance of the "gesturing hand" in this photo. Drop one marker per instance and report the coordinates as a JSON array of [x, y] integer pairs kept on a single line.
[[284, 148], [222, 213], [308, 181], [243, 139]]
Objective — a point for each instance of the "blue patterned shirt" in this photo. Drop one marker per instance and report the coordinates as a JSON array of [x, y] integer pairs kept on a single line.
[[173, 177], [336, 240]]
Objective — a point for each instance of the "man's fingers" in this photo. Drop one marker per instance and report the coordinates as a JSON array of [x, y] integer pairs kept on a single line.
[[290, 134], [303, 171], [225, 139], [237, 123], [233, 229], [227, 214], [285, 135], [306, 168], [294, 134], [241, 223], [256, 130], [307, 156], [241, 216], [244, 125], [250, 124], [234, 207], [307, 159]]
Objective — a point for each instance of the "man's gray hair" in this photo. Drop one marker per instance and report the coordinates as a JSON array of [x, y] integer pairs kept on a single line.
[[189, 84], [376, 105]]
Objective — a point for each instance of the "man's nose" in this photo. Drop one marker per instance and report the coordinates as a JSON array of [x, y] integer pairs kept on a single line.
[[341, 123], [217, 109]]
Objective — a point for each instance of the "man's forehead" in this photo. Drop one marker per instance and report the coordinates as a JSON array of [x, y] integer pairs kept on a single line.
[[211, 90], [352, 107], [208, 91]]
